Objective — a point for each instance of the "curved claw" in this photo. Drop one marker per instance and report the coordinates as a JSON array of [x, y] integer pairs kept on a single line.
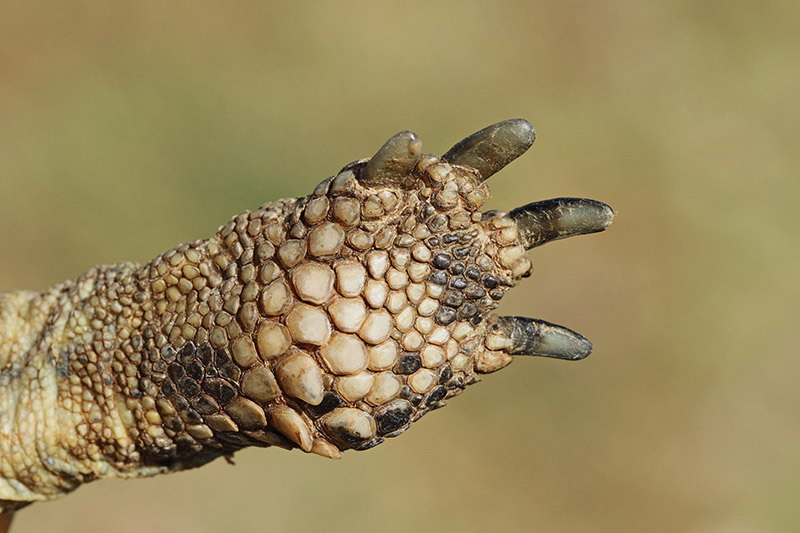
[[492, 148], [549, 220], [393, 162], [539, 338]]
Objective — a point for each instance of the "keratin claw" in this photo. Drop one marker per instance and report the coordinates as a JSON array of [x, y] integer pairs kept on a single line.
[[393, 162], [491, 149], [539, 338], [549, 220]]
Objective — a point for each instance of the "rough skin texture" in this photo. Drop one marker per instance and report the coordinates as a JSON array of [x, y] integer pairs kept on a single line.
[[325, 323]]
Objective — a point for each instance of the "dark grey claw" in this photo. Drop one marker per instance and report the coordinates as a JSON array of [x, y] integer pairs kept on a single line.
[[546, 221], [492, 148], [393, 162], [537, 337]]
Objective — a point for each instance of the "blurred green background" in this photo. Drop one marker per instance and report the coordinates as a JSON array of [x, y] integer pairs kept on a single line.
[[128, 127]]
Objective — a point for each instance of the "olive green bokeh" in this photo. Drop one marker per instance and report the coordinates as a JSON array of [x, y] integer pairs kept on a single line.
[[126, 128]]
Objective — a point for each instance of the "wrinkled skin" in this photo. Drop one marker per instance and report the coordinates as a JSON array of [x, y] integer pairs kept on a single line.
[[325, 323]]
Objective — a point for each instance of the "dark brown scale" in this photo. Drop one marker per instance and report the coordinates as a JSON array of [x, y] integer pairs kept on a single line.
[[220, 389], [436, 395], [444, 316], [407, 364], [176, 372], [205, 404], [474, 292], [472, 273], [205, 354], [452, 299], [189, 387], [441, 260], [187, 353], [458, 283], [393, 416], [490, 282], [222, 358], [439, 277], [457, 269], [195, 370], [466, 311], [230, 371], [329, 402]]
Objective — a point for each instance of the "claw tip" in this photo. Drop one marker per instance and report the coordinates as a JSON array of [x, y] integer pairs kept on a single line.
[[565, 344], [493, 147], [539, 338], [394, 161]]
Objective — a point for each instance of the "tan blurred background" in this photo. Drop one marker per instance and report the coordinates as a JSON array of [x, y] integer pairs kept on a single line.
[[128, 127]]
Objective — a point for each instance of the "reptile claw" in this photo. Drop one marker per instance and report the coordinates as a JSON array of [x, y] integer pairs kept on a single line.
[[491, 149], [393, 162], [539, 338], [549, 220]]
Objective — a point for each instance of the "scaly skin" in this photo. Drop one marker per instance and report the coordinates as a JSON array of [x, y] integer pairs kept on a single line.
[[327, 323]]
